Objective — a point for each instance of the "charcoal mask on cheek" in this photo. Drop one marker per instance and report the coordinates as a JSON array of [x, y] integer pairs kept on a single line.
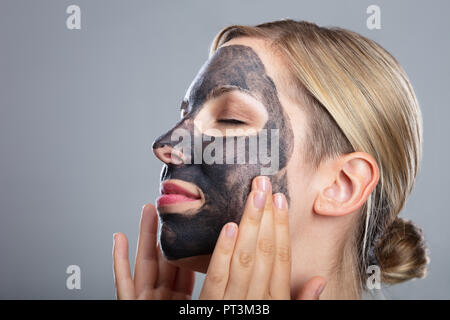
[[225, 186]]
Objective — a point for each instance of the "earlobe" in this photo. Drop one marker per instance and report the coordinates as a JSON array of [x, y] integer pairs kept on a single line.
[[353, 178]]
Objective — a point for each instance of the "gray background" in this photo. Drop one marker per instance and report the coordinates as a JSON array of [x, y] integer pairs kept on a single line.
[[80, 108]]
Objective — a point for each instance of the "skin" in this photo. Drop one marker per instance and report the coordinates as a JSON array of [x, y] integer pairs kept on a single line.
[[323, 210], [264, 226], [235, 71]]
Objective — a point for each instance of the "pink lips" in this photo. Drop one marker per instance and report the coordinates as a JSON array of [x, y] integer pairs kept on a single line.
[[172, 193]]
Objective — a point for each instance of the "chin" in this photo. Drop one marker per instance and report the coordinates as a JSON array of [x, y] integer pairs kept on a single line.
[[196, 263]]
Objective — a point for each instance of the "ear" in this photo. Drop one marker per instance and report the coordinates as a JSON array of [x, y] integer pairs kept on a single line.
[[352, 178]]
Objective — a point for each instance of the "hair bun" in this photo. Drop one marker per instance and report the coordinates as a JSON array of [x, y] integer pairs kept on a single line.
[[402, 253]]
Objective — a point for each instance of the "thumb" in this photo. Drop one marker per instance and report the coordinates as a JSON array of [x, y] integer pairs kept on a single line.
[[312, 289]]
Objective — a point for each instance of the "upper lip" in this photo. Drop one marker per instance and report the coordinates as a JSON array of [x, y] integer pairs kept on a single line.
[[180, 187]]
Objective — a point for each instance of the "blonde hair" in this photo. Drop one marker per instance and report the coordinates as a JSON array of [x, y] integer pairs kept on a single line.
[[358, 99]]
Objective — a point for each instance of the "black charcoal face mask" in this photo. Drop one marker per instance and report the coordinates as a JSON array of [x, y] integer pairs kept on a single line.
[[225, 186]]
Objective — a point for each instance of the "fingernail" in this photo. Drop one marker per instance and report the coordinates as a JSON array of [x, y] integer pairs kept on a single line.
[[259, 199], [280, 201], [114, 236], [320, 290], [230, 230], [262, 183]]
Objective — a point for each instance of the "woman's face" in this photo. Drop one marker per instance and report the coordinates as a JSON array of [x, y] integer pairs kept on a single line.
[[237, 123]]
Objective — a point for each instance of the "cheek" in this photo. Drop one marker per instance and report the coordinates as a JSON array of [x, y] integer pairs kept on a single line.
[[301, 189], [233, 185]]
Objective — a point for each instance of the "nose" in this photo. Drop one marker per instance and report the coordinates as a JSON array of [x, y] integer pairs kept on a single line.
[[165, 152]]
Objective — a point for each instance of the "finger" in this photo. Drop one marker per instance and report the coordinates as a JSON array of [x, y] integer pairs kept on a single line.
[[242, 261], [219, 266], [146, 266], [265, 252], [166, 271], [122, 272], [280, 282], [180, 296], [184, 283], [312, 289]]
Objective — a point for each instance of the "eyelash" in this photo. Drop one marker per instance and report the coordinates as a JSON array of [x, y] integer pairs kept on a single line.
[[231, 121]]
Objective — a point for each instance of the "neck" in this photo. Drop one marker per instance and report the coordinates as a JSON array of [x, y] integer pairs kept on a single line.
[[343, 283], [326, 258]]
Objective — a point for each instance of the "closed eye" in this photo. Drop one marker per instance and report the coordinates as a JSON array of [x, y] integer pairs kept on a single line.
[[230, 121]]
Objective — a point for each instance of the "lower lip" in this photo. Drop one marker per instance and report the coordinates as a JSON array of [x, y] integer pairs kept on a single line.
[[166, 199]]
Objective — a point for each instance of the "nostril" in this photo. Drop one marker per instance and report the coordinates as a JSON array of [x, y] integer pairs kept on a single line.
[[167, 155], [172, 157], [157, 145]]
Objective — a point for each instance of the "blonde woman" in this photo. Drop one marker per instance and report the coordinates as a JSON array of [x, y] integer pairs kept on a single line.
[[348, 149]]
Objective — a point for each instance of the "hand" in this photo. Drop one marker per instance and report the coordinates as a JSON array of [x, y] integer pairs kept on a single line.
[[154, 277], [253, 261]]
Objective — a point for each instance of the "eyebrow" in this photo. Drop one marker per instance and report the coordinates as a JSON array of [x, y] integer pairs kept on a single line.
[[217, 92], [220, 90]]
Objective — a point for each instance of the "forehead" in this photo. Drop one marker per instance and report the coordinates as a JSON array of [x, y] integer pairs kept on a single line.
[[264, 52], [230, 67], [276, 69], [244, 63], [258, 51], [228, 70]]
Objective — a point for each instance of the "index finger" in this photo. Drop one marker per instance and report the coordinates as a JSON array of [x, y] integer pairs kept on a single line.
[[122, 273], [219, 267], [280, 282], [146, 266], [243, 258]]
